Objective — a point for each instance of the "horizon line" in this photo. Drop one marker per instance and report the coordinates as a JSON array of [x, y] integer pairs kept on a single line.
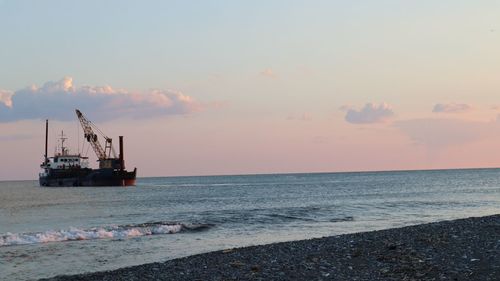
[[301, 173]]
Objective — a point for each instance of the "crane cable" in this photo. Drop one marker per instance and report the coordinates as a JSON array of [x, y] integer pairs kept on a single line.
[[97, 129], [103, 135]]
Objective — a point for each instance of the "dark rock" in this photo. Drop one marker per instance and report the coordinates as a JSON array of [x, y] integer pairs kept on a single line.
[[466, 249]]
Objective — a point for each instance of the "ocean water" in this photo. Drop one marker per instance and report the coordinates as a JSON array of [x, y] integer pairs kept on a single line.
[[50, 231]]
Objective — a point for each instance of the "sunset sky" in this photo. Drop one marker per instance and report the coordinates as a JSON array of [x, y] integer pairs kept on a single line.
[[244, 87]]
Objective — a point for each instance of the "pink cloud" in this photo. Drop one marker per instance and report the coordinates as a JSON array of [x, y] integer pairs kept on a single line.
[[57, 100], [6, 98]]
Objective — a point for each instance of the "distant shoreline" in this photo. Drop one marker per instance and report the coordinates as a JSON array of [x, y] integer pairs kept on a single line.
[[463, 249]]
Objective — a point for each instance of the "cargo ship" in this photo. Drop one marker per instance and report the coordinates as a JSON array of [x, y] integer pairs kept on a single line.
[[67, 169]]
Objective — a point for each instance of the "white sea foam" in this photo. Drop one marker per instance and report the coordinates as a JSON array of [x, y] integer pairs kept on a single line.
[[73, 233]]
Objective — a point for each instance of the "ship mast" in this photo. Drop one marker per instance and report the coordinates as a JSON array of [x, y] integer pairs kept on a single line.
[[46, 140]]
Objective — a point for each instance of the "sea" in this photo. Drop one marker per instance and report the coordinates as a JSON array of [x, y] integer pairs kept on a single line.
[[46, 232]]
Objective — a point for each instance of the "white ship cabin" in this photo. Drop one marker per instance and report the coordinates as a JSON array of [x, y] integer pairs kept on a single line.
[[63, 159], [68, 162]]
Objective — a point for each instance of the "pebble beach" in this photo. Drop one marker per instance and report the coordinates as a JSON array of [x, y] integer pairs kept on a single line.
[[464, 249]]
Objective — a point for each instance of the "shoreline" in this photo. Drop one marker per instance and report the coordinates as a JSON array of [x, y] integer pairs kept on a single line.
[[463, 249]]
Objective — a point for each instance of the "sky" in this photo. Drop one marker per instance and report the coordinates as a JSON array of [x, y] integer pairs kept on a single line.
[[250, 87]]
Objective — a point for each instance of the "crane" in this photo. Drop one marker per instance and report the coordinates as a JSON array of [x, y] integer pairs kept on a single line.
[[91, 137]]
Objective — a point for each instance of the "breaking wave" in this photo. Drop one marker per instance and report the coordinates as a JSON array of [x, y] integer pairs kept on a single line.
[[107, 232]]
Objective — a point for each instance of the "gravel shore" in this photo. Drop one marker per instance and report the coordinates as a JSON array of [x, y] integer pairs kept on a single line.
[[465, 249]]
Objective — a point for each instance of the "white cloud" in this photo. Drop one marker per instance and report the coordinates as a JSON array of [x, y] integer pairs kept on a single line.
[[57, 101], [371, 113], [451, 108]]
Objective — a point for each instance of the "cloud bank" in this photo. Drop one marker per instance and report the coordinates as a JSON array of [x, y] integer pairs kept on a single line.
[[369, 114], [58, 100], [451, 108]]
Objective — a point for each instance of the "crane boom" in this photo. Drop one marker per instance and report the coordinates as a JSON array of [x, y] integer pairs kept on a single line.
[[91, 137]]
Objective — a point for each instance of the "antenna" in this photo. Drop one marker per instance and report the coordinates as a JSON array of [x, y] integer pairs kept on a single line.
[[63, 149], [78, 136]]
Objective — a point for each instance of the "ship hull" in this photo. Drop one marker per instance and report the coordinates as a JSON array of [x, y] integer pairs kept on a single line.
[[88, 177]]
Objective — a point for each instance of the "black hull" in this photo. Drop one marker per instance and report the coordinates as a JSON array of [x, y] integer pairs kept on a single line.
[[88, 177]]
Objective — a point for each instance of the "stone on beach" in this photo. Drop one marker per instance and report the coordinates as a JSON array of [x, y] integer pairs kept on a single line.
[[464, 249]]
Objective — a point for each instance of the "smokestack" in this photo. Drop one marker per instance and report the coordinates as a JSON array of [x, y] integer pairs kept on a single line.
[[46, 139], [122, 162]]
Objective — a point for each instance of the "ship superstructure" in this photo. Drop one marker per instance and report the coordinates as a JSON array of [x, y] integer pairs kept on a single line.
[[63, 159], [66, 169]]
